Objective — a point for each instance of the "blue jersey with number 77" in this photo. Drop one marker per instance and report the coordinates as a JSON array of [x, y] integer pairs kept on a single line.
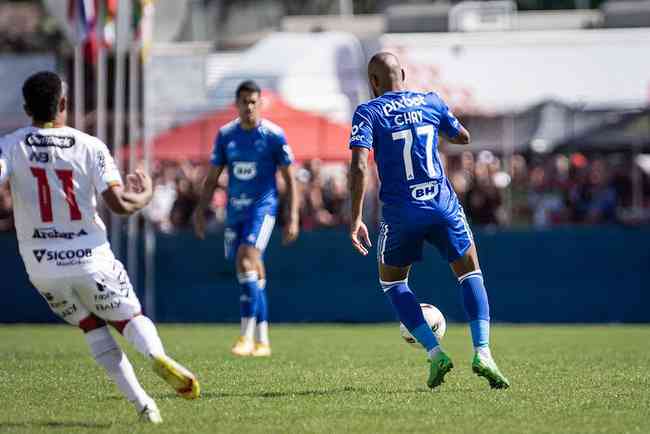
[[402, 128]]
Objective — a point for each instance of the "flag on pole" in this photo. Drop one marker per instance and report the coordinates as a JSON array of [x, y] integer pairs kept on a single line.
[[109, 23], [143, 17], [82, 15], [84, 18]]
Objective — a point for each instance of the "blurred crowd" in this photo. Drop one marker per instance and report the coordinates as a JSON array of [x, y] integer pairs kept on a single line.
[[549, 190], [323, 189], [542, 191]]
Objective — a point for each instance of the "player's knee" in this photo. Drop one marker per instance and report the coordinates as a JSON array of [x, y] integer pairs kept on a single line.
[[467, 263], [247, 260], [90, 323]]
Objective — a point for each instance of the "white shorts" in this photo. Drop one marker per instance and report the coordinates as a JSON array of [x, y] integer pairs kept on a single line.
[[107, 293]]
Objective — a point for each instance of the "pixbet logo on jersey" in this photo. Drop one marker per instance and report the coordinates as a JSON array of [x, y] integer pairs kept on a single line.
[[403, 102], [244, 170], [64, 258]]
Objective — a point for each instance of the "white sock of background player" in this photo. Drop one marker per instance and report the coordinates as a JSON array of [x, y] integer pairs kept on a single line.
[[109, 355], [141, 332]]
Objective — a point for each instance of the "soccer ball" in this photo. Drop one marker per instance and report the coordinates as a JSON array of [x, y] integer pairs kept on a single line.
[[433, 317]]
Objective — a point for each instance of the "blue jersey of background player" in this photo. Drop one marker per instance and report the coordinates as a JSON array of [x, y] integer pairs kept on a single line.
[[419, 205], [252, 150]]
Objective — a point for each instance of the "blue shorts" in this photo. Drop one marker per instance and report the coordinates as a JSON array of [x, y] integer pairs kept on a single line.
[[402, 235], [254, 231]]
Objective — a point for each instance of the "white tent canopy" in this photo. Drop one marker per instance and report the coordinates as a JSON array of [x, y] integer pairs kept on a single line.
[[512, 70], [318, 72]]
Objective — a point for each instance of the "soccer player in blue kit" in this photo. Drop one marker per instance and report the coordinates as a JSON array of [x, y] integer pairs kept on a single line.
[[252, 149], [419, 205]]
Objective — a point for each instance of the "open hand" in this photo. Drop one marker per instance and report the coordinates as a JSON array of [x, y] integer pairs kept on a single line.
[[359, 237]]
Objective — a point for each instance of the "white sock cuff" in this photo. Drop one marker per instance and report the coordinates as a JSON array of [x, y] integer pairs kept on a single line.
[[475, 273], [386, 286], [247, 277]]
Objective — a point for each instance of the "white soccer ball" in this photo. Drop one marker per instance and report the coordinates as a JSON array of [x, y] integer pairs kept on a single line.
[[433, 317]]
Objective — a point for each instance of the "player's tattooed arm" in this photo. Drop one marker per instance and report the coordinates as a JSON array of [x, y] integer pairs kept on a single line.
[[209, 185], [292, 226], [358, 179], [136, 195]]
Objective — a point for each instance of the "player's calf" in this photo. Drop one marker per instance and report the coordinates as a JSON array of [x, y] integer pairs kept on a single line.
[[108, 354], [410, 314], [249, 307], [141, 332], [262, 342]]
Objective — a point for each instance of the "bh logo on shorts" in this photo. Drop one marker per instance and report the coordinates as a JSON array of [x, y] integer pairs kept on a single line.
[[244, 170], [425, 190]]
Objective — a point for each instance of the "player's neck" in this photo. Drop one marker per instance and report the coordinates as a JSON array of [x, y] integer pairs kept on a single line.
[[245, 125], [56, 123], [395, 87]]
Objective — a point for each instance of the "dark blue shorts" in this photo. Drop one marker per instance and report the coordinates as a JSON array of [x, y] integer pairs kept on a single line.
[[402, 235], [255, 231]]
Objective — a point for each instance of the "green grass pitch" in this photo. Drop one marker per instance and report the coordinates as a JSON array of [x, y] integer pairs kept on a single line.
[[338, 379]]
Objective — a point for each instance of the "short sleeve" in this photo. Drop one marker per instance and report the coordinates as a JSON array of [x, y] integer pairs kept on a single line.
[[5, 162], [449, 125], [218, 157], [361, 134], [282, 151], [104, 170]]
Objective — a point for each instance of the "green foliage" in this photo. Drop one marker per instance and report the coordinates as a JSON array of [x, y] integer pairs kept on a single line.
[[335, 379]]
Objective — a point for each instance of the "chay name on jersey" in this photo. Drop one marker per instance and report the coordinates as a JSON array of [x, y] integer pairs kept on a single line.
[[410, 117], [53, 233]]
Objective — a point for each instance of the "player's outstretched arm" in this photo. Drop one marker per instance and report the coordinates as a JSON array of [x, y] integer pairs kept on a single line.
[[358, 179], [462, 138], [292, 227], [209, 185], [136, 195]]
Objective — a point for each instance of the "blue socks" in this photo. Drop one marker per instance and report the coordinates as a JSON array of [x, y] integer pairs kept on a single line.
[[250, 292], [410, 313], [262, 308], [477, 308]]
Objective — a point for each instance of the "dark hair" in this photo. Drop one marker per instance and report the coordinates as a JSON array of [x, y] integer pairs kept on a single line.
[[42, 92], [247, 86]]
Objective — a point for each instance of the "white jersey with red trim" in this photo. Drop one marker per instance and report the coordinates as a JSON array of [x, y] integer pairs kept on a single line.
[[55, 174]]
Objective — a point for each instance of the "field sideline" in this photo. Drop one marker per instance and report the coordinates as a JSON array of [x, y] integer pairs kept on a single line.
[[338, 379]]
